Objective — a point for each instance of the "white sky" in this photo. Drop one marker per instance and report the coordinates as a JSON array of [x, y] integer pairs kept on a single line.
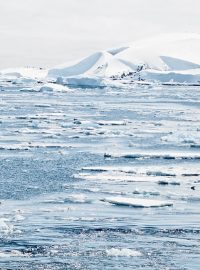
[[49, 32]]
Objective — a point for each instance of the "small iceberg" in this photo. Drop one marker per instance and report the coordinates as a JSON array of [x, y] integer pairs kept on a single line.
[[85, 81], [135, 202]]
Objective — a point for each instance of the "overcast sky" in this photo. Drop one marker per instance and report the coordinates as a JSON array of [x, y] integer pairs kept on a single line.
[[49, 32]]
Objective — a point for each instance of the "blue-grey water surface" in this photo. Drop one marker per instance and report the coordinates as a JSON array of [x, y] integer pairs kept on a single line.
[[62, 154]]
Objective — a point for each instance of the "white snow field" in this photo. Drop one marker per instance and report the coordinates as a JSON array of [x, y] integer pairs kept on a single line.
[[169, 58]]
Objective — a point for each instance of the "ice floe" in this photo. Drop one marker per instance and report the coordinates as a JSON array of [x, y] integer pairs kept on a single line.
[[156, 155], [5, 226], [77, 198], [12, 253], [135, 202], [123, 252], [53, 87]]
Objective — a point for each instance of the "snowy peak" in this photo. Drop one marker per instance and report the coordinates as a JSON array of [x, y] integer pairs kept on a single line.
[[98, 64]]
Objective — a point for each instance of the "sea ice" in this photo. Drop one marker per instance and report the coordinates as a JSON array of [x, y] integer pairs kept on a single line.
[[135, 202], [123, 252]]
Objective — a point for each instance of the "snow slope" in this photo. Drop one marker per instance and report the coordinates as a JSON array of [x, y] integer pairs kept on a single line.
[[164, 53], [102, 64]]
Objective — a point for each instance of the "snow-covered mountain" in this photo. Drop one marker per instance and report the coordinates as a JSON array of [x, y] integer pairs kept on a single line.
[[170, 58], [103, 64]]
